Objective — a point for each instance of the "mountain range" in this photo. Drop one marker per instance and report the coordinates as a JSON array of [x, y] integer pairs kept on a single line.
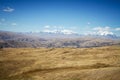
[[55, 39]]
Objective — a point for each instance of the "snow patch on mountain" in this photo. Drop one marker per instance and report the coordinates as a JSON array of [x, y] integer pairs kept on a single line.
[[64, 31], [102, 31]]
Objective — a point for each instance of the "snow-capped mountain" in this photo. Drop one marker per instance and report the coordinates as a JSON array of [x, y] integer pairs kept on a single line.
[[46, 39], [110, 36], [71, 34], [104, 33], [64, 31]]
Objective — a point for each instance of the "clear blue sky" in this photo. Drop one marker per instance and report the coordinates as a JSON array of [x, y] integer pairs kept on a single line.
[[81, 16]]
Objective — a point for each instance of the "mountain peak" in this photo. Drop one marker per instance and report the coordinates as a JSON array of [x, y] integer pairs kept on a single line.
[[64, 31]]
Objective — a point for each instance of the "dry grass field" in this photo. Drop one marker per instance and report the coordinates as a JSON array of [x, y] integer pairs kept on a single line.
[[100, 63]]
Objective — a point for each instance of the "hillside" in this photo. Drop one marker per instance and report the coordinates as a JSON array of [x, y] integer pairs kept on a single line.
[[50, 40], [101, 63]]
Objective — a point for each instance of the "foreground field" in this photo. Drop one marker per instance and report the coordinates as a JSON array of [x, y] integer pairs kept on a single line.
[[102, 63]]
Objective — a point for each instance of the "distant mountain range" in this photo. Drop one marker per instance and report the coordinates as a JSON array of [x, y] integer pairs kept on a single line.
[[64, 31], [56, 39]]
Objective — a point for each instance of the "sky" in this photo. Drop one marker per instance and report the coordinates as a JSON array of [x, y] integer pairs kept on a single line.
[[74, 16]]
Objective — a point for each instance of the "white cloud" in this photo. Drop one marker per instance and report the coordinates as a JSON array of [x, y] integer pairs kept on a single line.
[[8, 9], [14, 24], [117, 29], [102, 31], [47, 26]]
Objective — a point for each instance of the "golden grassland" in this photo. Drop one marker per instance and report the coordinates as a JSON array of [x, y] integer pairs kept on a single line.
[[100, 63]]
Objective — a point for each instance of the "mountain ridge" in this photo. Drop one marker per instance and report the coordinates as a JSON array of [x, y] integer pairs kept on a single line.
[[43, 39]]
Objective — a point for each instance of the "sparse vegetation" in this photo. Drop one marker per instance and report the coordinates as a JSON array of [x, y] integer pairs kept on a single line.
[[101, 63]]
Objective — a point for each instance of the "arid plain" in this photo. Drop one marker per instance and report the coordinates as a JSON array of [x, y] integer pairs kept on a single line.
[[99, 63]]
